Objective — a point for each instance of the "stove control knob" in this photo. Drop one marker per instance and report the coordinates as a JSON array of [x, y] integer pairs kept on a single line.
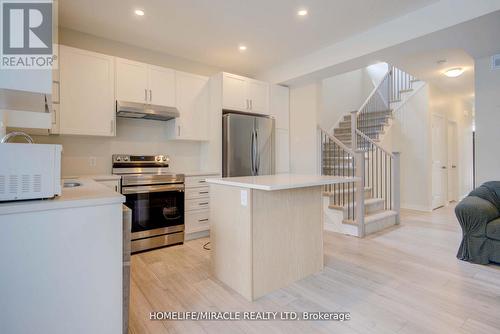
[[158, 158], [164, 158], [118, 158], [125, 159]]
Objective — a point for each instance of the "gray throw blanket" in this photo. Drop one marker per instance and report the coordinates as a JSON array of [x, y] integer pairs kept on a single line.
[[474, 212]]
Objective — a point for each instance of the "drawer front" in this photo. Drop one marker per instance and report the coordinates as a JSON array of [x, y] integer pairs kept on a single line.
[[201, 192], [196, 181], [197, 221], [196, 204]]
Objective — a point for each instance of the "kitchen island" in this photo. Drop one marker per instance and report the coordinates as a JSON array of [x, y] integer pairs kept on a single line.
[[267, 231], [62, 262]]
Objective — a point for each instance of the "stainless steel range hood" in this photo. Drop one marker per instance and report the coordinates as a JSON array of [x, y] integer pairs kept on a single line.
[[145, 111]]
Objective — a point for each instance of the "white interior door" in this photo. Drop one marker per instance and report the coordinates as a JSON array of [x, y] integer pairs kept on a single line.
[[439, 161], [452, 162]]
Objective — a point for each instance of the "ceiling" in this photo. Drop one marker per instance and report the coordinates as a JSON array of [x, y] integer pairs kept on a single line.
[[209, 31], [424, 65]]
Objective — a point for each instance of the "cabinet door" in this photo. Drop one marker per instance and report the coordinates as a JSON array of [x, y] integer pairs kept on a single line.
[[279, 106], [87, 105], [131, 81], [192, 103], [258, 94], [234, 92], [161, 86], [282, 151]]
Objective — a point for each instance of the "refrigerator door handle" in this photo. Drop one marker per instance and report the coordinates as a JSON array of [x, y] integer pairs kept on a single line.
[[252, 151], [257, 153]]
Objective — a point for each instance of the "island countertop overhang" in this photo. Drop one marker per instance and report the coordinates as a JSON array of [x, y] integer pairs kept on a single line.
[[281, 181]]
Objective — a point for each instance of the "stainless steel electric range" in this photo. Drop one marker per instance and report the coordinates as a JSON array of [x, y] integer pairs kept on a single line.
[[156, 198]]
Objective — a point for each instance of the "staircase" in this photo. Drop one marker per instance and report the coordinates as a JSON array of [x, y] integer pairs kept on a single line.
[[352, 148]]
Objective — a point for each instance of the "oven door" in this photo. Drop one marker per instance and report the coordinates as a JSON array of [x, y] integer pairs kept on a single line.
[[156, 209]]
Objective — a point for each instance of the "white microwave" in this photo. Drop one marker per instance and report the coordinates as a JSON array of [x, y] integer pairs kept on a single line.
[[29, 171]]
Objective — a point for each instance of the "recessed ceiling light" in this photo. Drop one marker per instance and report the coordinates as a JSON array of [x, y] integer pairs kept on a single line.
[[302, 12], [242, 47], [139, 12], [454, 72]]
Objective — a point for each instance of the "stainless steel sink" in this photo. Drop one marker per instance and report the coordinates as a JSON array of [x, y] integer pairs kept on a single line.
[[71, 184]]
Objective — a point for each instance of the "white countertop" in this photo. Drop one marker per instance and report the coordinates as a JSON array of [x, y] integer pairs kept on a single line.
[[280, 181], [98, 177], [90, 193], [196, 173]]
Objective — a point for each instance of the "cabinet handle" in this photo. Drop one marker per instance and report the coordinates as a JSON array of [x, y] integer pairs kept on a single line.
[[178, 130], [202, 181], [203, 192], [203, 220], [145, 95], [150, 95], [204, 203], [248, 104], [112, 126], [251, 104], [54, 117]]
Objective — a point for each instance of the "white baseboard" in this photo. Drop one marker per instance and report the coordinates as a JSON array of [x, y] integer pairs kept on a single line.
[[416, 207]]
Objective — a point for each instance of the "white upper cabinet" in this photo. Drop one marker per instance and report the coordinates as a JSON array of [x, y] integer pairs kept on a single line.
[[131, 81], [192, 99], [161, 85], [87, 96], [244, 94], [234, 95], [279, 103], [143, 83], [258, 94]]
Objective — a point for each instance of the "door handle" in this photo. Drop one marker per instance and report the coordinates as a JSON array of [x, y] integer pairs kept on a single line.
[[252, 154], [257, 153]]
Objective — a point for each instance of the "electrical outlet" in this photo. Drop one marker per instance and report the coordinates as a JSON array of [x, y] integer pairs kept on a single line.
[[92, 162]]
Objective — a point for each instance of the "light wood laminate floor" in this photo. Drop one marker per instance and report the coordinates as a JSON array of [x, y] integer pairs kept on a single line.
[[403, 280]]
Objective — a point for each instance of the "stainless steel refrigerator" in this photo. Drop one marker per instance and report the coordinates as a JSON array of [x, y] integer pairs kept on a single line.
[[247, 145]]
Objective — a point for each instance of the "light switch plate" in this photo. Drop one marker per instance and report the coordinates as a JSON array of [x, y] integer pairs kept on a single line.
[[244, 197]]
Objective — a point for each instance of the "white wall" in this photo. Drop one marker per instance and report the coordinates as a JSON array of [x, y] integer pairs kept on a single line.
[[98, 44], [347, 92], [487, 83], [304, 106], [411, 134], [134, 137]]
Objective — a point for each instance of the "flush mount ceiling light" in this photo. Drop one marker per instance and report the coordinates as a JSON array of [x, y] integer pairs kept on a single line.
[[139, 12], [302, 12], [454, 72], [242, 47]]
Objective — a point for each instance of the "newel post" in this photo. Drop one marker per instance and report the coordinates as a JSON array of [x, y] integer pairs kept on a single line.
[[360, 192], [397, 185], [354, 119]]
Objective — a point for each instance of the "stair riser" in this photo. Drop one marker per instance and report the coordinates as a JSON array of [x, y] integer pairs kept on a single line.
[[369, 209], [376, 123], [340, 192], [377, 114]]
